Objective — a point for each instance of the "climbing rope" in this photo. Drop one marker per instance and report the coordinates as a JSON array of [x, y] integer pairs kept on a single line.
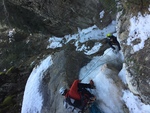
[[88, 72]]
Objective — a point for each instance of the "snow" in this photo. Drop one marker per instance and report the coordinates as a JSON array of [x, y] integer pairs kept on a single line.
[[139, 29], [94, 49], [122, 74], [102, 14], [134, 103], [11, 33], [32, 100], [55, 42], [106, 90], [83, 35]]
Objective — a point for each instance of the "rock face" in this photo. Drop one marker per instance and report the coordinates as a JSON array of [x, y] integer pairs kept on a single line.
[[56, 17], [137, 64]]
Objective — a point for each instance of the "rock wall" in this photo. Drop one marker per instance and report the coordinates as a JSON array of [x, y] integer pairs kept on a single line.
[[137, 64], [12, 85], [56, 17]]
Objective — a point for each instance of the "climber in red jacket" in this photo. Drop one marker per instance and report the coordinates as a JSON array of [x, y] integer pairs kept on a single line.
[[79, 93]]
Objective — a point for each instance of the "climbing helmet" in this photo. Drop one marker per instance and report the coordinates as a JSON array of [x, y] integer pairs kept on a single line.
[[109, 34]]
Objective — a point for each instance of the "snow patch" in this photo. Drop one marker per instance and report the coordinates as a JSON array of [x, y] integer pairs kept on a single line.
[[134, 103], [139, 30], [55, 42], [102, 14]]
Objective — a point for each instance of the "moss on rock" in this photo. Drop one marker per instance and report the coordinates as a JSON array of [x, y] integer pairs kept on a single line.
[[7, 101]]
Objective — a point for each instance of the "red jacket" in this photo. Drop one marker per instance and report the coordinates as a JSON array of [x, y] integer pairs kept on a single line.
[[73, 92]]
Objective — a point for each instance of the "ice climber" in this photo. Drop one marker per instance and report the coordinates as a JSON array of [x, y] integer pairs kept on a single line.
[[112, 40], [78, 96]]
